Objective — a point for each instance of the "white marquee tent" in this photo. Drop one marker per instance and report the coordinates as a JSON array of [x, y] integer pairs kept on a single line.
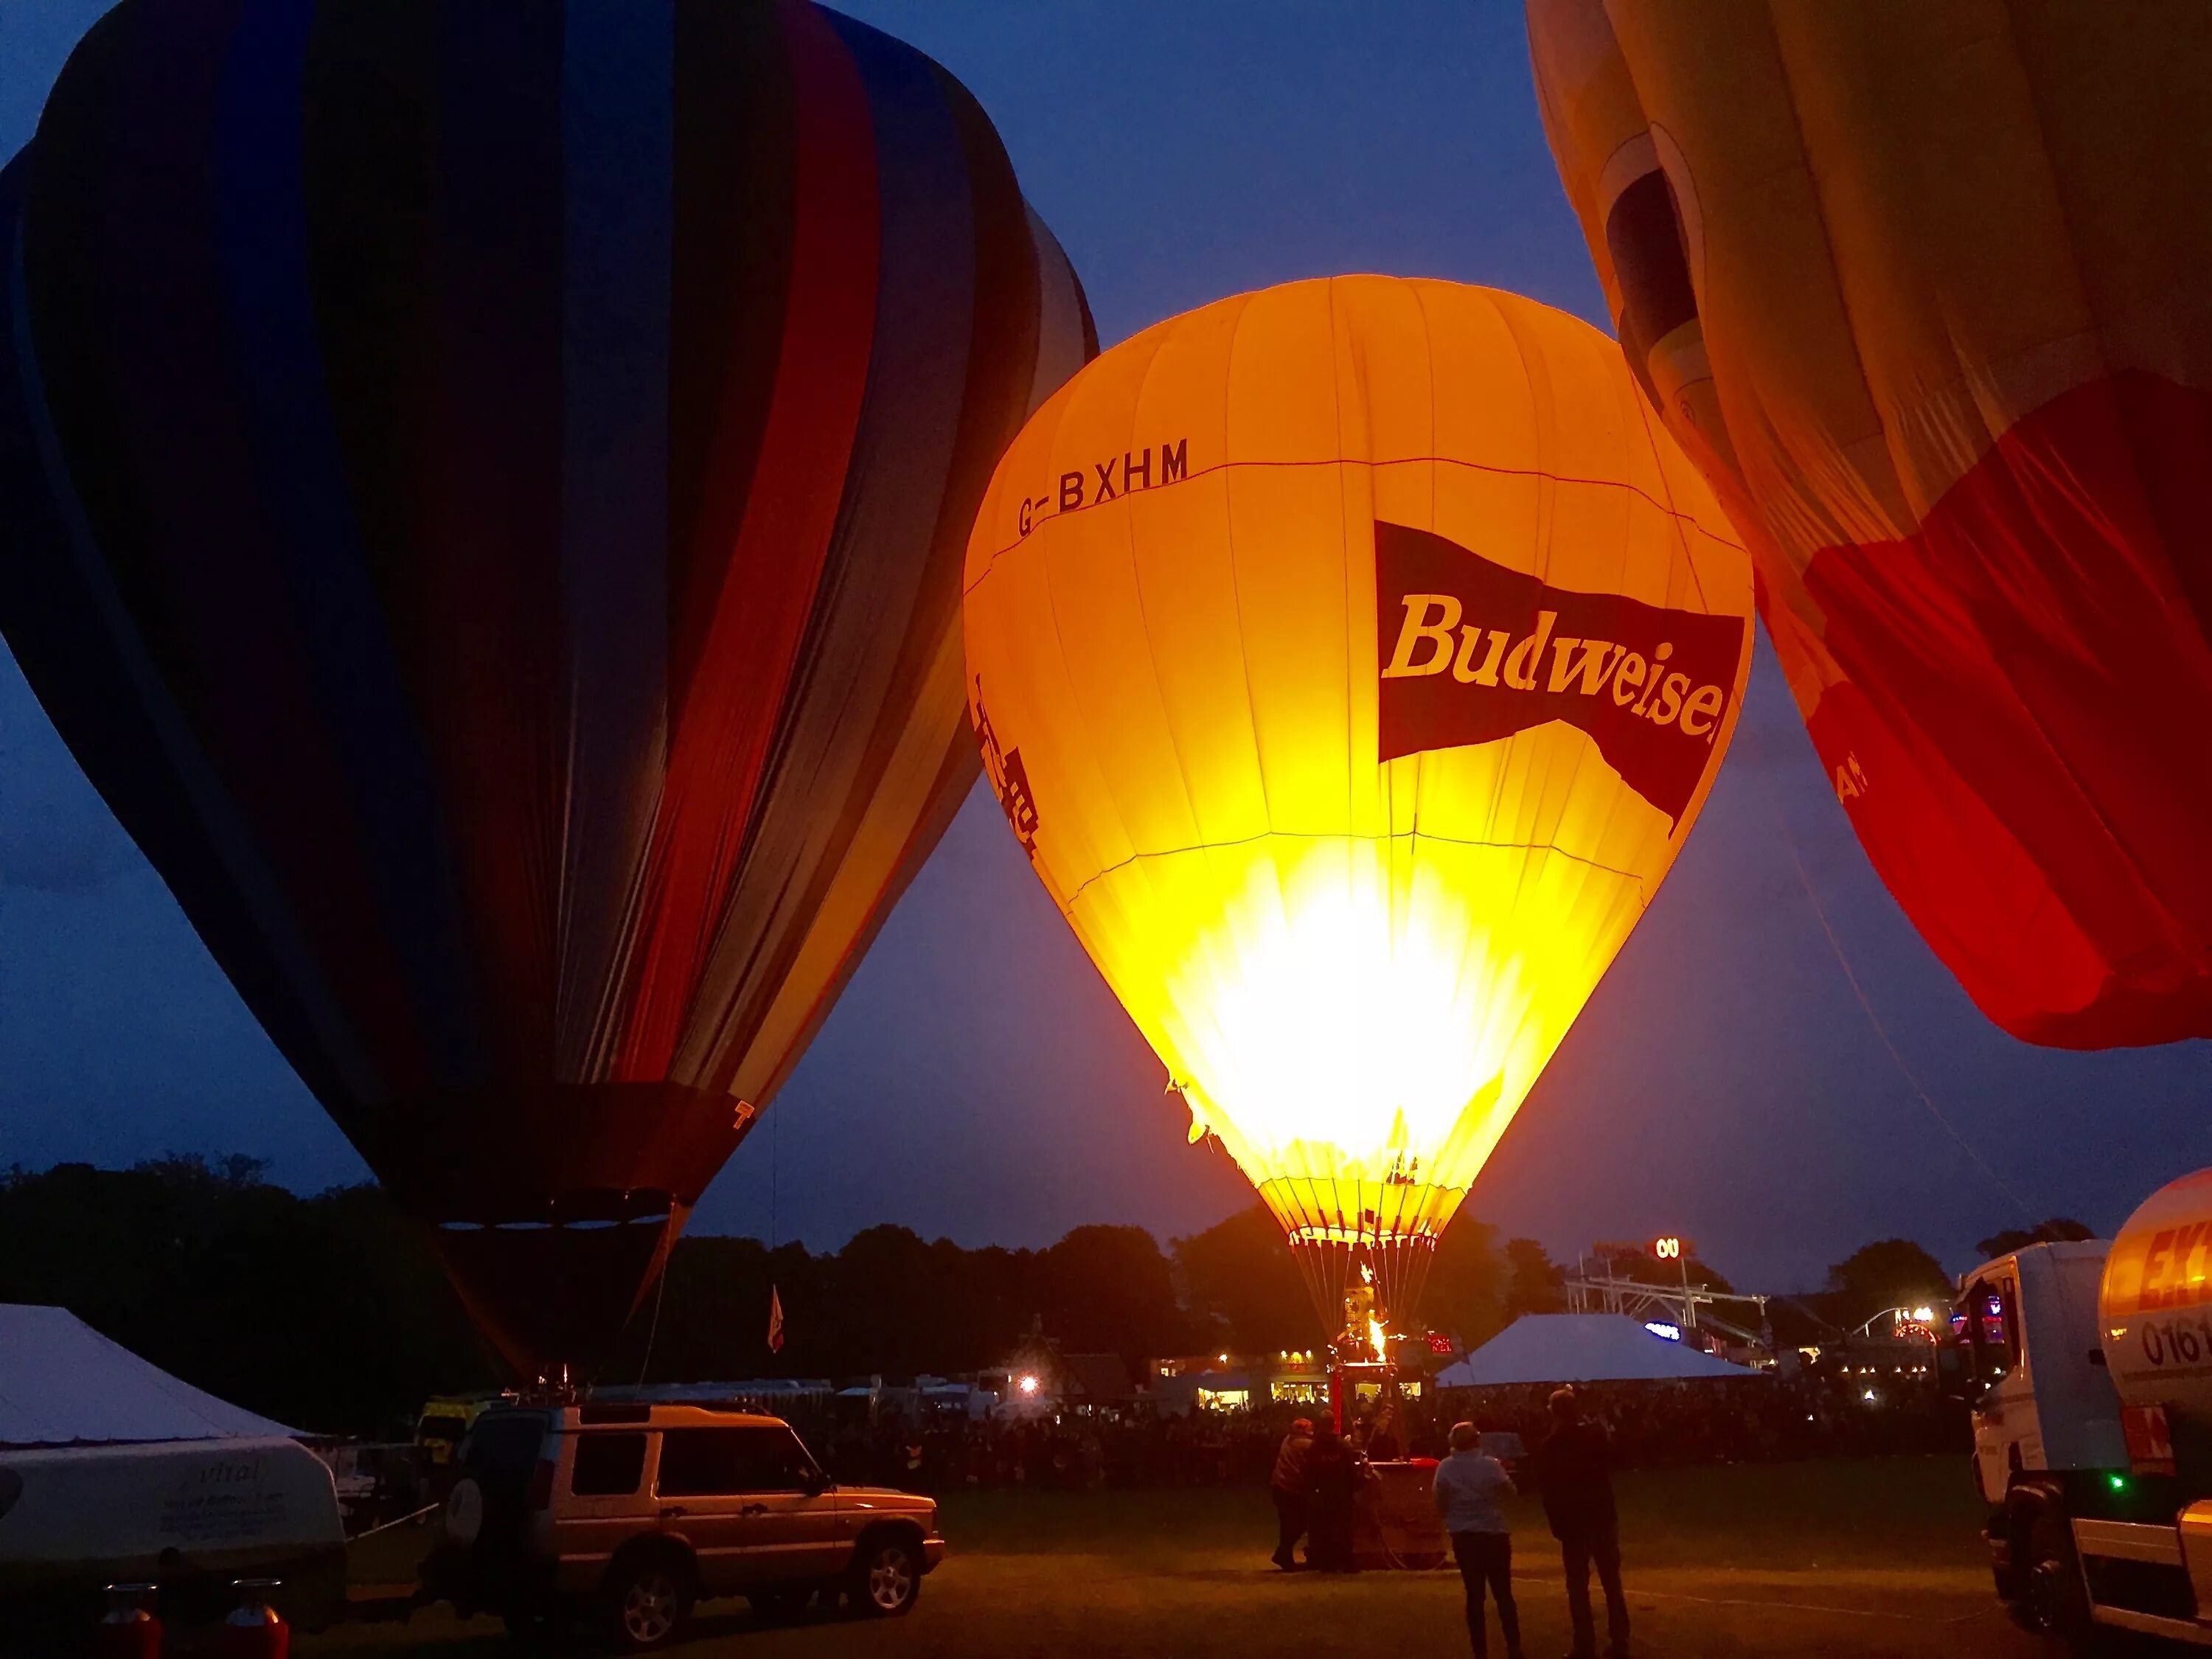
[[62, 1384], [1582, 1348]]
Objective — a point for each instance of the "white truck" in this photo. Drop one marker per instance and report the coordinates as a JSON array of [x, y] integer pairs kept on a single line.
[[2092, 1427]]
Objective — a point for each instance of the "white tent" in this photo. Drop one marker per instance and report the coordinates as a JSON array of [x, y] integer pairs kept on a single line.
[[1582, 1348], [63, 1383]]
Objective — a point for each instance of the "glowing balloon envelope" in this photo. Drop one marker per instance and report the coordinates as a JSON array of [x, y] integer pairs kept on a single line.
[[1352, 658], [482, 493], [1926, 291]]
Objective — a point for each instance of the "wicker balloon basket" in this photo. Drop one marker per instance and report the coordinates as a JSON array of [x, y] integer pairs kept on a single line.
[[1395, 1524]]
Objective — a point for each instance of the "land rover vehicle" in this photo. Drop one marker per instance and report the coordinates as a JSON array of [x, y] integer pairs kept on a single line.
[[633, 1512]]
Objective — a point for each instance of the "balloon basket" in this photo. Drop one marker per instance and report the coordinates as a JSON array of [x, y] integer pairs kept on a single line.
[[1395, 1524]]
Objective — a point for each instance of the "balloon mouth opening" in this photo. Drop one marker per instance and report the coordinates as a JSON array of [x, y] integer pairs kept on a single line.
[[590, 1210], [1417, 1236], [552, 1282]]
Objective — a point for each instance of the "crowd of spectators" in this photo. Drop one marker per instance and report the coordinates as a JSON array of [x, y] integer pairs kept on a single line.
[[1066, 1450], [1130, 1445], [1767, 1420]]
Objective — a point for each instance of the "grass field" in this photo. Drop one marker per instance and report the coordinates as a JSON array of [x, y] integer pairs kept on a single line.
[[1868, 1560]]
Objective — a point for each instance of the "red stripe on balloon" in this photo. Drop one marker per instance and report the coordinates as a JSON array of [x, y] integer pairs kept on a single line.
[[2037, 630], [724, 729]]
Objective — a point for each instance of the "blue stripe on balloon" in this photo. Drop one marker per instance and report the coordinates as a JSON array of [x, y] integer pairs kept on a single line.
[[617, 136], [492, 653], [925, 316], [895, 481], [225, 836], [302, 491]]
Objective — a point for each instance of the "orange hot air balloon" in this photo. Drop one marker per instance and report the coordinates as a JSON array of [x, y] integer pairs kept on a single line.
[[1926, 291], [1352, 658]]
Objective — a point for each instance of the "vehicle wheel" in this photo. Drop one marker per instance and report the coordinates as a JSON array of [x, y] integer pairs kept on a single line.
[[2057, 1602], [651, 1599], [887, 1577], [780, 1606]]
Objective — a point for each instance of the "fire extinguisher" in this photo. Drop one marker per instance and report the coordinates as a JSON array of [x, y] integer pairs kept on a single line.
[[127, 1630], [255, 1630]]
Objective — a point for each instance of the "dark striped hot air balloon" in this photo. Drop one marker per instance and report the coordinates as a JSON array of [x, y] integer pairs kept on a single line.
[[1926, 291], [482, 493]]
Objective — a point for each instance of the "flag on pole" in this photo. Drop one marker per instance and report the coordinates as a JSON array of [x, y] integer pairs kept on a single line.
[[775, 1320]]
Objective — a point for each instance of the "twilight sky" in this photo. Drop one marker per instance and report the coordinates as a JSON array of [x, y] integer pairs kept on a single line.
[[978, 1079]]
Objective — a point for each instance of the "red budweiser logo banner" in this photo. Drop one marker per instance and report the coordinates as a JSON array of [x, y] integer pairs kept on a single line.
[[1472, 651]]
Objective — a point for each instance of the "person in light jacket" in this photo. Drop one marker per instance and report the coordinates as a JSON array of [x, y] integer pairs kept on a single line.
[[1471, 1489]]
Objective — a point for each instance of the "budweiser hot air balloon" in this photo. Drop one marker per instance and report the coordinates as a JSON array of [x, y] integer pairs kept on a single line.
[[481, 491], [1352, 658], [1926, 291]]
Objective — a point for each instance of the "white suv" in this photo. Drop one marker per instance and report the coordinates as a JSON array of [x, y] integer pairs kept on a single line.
[[639, 1510]]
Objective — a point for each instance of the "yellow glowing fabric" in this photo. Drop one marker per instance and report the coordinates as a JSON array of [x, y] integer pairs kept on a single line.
[[1353, 968]]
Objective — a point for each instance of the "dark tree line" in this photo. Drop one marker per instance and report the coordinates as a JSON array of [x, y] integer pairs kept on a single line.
[[2059, 1230], [327, 1313], [331, 1312]]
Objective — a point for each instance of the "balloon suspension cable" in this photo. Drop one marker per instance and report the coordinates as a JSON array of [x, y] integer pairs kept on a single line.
[[1881, 1032], [653, 1333], [1333, 1261], [1359, 1281]]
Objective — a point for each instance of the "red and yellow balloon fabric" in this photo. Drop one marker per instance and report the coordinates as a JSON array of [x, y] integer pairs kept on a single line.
[[1352, 658], [482, 493], [1926, 291]]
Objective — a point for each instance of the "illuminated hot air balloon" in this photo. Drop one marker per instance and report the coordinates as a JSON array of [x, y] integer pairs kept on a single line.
[[1926, 291], [482, 493], [1352, 658]]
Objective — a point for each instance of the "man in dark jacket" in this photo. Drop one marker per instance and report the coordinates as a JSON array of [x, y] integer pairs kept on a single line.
[[1288, 1487], [1333, 1475], [1574, 1471]]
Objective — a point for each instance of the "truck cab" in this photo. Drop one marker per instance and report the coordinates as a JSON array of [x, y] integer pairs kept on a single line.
[[2080, 1362], [2025, 1326]]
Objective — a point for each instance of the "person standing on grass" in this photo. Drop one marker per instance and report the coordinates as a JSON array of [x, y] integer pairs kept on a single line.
[[1470, 1495], [1574, 1472], [1287, 1486]]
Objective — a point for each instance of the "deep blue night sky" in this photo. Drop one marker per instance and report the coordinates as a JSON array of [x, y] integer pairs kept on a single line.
[[977, 1079]]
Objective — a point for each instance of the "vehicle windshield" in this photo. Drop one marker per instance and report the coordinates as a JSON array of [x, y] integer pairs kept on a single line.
[[1984, 1338]]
